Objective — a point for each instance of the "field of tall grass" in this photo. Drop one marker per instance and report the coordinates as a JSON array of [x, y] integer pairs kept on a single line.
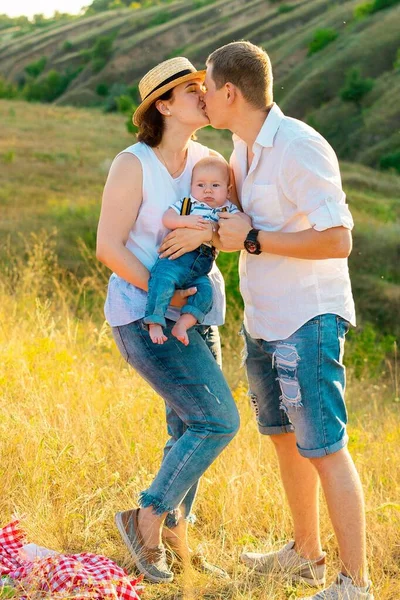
[[80, 431]]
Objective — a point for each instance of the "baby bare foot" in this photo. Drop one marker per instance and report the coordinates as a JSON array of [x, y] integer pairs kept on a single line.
[[180, 332], [156, 334], [180, 328]]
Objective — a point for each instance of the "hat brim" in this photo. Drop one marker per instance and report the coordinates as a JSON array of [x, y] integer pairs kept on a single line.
[[142, 108]]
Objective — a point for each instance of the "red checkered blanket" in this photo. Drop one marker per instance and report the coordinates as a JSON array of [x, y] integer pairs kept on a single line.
[[77, 576]]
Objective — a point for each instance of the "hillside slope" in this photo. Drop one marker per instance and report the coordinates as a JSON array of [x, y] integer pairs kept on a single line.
[[306, 85]]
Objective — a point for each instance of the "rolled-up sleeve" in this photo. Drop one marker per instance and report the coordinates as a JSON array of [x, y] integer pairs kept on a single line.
[[310, 179], [177, 206]]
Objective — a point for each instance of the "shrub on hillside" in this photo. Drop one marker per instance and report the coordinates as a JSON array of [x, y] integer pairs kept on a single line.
[[322, 38], [285, 8], [50, 87], [396, 64], [160, 18], [356, 86], [124, 104], [67, 46], [363, 10], [390, 161], [36, 68], [102, 51], [116, 91], [102, 90], [381, 4], [368, 8], [7, 89]]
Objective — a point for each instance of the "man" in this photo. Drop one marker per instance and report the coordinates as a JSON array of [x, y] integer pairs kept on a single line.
[[298, 306]]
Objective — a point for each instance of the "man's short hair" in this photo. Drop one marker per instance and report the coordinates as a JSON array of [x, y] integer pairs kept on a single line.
[[248, 67]]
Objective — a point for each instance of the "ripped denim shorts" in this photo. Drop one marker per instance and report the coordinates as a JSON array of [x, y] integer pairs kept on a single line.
[[297, 385]]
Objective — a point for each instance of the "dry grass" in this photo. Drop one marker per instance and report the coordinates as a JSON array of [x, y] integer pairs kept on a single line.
[[81, 437]]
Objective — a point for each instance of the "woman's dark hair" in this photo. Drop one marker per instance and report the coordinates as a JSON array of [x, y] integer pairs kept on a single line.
[[151, 128]]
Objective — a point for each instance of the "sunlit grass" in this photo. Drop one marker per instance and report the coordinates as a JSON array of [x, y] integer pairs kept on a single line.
[[81, 437]]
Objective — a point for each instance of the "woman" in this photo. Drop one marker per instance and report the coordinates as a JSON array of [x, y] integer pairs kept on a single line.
[[201, 414]]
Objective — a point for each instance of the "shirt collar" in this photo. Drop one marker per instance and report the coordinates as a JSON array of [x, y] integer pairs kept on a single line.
[[268, 130]]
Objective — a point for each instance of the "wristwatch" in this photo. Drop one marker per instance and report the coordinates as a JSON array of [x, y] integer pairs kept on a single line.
[[251, 243]]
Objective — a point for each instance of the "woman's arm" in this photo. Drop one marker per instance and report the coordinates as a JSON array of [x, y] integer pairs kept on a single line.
[[122, 198]]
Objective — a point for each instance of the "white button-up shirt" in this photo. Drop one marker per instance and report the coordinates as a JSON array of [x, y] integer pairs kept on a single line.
[[293, 184]]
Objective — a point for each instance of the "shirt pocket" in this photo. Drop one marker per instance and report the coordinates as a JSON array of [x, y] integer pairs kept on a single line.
[[265, 208]]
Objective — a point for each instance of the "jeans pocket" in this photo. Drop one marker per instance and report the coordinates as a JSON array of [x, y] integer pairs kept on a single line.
[[343, 326]]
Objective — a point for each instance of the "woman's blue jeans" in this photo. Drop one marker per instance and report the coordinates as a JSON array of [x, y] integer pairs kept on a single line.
[[202, 417]]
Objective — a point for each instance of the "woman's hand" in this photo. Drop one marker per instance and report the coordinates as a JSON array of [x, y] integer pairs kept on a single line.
[[179, 299], [181, 241]]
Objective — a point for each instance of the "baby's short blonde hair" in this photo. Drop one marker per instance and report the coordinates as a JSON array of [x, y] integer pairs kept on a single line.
[[214, 161]]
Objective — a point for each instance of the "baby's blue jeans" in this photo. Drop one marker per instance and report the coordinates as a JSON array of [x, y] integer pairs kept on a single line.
[[188, 270]]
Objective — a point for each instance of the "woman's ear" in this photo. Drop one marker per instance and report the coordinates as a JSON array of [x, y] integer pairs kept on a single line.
[[162, 108]]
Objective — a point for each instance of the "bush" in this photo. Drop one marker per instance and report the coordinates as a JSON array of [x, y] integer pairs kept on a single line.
[[36, 68], [390, 161], [285, 8], [356, 86], [7, 90], [116, 90], [102, 51], [67, 46], [322, 38], [382, 4], [363, 10], [102, 89], [160, 18], [50, 87], [124, 104], [396, 64]]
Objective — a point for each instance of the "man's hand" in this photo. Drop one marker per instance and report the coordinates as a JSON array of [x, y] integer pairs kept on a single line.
[[181, 241], [180, 297], [233, 230]]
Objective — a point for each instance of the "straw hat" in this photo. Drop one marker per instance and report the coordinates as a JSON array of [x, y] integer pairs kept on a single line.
[[162, 78]]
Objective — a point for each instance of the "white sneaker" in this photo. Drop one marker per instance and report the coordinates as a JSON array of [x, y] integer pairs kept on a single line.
[[343, 589], [290, 564]]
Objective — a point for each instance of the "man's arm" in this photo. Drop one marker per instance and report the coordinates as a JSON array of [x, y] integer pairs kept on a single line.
[[310, 178], [335, 242]]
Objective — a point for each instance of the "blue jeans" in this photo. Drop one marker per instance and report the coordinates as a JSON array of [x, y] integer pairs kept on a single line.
[[297, 385], [202, 417], [190, 269]]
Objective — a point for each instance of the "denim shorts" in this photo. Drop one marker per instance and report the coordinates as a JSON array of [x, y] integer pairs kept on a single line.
[[297, 385]]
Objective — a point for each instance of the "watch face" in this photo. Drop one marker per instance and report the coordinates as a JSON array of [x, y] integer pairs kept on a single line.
[[251, 247]]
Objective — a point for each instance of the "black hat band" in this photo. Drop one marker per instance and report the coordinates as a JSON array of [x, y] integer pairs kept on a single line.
[[168, 80]]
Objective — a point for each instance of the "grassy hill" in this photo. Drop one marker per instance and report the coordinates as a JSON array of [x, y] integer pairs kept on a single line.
[[315, 47], [53, 164]]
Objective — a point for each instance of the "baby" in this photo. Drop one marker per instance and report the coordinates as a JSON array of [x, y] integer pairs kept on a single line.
[[210, 192]]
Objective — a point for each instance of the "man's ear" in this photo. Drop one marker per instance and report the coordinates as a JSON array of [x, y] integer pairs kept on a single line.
[[162, 108], [230, 92]]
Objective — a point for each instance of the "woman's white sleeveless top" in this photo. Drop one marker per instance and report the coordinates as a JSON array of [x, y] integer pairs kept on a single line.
[[125, 302]]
